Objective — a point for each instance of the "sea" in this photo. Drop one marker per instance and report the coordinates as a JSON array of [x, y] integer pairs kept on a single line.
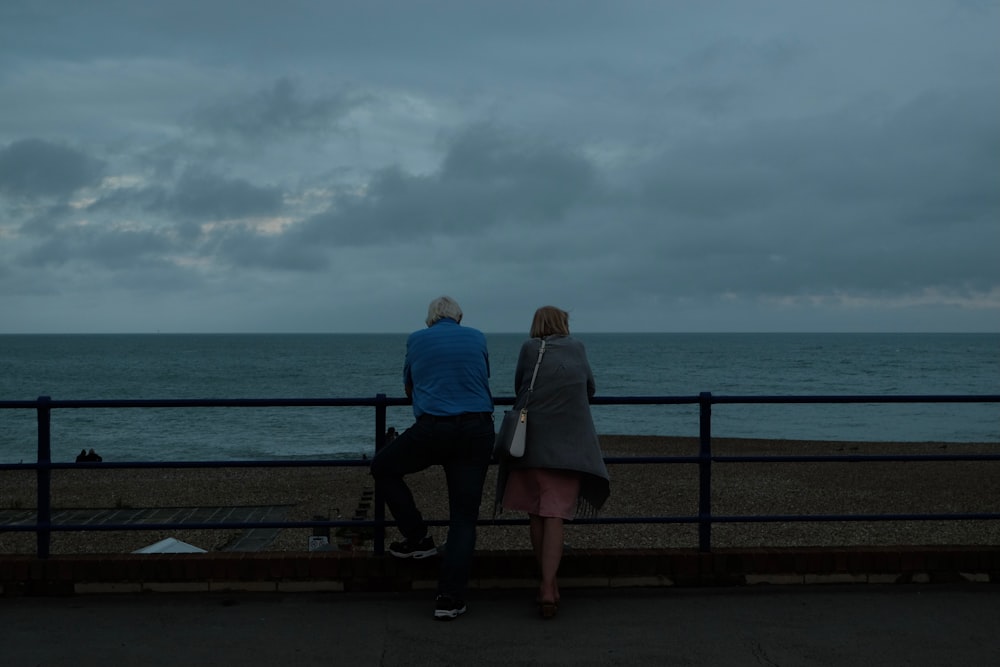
[[224, 366]]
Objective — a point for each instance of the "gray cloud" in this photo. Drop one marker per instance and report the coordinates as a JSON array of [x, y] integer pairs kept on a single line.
[[197, 195], [838, 202], [39, 168], [247, 249], [107, 249], [203, 196], [276, 112], [488, 176], [45, 219]]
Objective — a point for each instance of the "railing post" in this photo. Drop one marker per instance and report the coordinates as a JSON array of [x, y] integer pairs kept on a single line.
[[44, 472], [705, 472], [378, 536]]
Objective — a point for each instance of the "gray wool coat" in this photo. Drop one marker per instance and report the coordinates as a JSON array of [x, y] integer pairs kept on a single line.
[[561, 431]]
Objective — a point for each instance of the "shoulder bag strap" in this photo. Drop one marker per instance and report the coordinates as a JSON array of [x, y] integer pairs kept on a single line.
[[534, 374]]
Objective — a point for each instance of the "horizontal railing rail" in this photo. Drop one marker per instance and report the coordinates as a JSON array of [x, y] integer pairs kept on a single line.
[[705, 460]]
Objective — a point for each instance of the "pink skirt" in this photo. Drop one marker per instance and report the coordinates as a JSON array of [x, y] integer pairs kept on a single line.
[[543, 492]]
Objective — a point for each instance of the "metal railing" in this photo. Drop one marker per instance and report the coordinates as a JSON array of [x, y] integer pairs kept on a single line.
[[705, 460]]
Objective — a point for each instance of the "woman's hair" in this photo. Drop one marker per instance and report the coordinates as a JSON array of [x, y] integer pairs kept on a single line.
[[549, 320], [441, 307]]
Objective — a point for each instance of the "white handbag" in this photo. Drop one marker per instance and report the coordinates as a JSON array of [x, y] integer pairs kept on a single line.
[[514, 428]]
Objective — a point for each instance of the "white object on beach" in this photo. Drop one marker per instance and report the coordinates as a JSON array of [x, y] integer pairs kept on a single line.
[[169, 546], [319, 543]]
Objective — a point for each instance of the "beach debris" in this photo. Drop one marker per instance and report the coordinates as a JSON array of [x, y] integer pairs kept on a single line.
[[319, 543], [169, 545]]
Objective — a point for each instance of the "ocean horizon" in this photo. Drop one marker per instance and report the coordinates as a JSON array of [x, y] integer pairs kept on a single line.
[[315, 365]]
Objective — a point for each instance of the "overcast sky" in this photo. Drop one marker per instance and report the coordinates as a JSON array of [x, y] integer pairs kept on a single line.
[[328, 166]]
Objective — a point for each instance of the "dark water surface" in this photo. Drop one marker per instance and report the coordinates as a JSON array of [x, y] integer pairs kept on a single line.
[[353, 365]]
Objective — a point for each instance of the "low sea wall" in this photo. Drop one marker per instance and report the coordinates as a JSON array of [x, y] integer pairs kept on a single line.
[[340, 571]]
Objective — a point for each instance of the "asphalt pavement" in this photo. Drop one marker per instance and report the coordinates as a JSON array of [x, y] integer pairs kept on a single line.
[[901, 624]]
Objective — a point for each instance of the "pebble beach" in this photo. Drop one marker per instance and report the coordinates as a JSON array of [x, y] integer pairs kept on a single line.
[[668, 490]]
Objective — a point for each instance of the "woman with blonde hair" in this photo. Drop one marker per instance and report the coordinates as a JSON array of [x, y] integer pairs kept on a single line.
[[562, 473]]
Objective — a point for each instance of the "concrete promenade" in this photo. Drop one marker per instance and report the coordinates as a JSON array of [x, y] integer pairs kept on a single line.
[[908, 624]]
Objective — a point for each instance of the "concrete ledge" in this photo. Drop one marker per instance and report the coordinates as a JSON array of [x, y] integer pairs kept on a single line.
[[362, 571]]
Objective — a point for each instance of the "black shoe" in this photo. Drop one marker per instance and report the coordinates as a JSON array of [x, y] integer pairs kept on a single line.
[[447, 608], [416, 550]]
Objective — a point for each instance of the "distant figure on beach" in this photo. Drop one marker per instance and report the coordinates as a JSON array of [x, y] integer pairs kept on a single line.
[[82, 456], [93, 457], [562, 473], [390, 435], [446, 374]]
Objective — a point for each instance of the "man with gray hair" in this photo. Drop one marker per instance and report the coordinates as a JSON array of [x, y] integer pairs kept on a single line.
[[446, 374]]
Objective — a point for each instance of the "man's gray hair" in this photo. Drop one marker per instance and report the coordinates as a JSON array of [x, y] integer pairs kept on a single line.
[[443, 306]]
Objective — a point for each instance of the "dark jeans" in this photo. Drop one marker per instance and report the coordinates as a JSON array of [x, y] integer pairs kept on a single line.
[[463, 447]]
